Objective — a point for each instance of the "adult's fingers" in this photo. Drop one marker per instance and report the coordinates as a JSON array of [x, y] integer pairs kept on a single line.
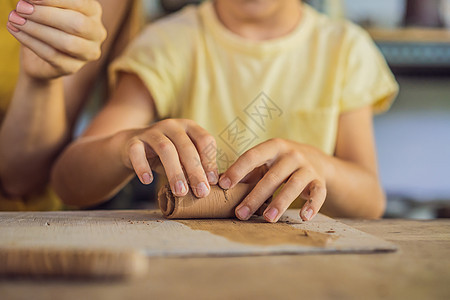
[[87, 7], [69, 21], [207, 150], [315, 195], [296, 183], [270, 182], [11, 27], [138, 159], [70, 44], [63, 63], [167, 153], [264, 153], [190, 159]]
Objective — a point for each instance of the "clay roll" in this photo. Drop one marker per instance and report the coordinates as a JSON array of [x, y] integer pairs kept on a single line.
[[219, 203]]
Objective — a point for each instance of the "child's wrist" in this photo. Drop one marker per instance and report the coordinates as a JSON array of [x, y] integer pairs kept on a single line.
[[323, 163], [121, 141]]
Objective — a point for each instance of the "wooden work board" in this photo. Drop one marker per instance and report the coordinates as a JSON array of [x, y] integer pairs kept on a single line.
[[148, 232]]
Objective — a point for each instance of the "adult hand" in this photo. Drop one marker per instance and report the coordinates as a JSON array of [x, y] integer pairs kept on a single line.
[[181, 148], [59, 36], [276, 162]]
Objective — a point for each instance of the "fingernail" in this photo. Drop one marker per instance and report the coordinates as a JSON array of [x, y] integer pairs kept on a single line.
[[271, 214], [308, 214], [202, 190], [212, 177], [225, 183], [243, 213], [146, 178], [180, 188], [24, 7], [16, 19], [10, 26]]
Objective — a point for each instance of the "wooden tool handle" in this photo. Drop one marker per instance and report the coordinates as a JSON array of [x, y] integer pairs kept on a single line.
[[81, 263]]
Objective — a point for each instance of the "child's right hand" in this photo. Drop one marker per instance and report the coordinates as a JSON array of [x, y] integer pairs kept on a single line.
[[184, 150]]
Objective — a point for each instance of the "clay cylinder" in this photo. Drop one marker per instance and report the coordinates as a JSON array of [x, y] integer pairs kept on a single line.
[[219, 203]]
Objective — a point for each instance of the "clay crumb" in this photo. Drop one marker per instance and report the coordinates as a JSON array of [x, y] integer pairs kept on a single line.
[[159, 221], [288, 220], [47, 224], [330, 231], [305, 233]]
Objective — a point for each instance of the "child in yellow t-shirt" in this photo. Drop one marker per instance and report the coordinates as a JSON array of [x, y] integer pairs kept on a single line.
[[264, 91]]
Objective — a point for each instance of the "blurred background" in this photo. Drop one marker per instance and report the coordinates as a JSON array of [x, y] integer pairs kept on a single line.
[[413, 138]]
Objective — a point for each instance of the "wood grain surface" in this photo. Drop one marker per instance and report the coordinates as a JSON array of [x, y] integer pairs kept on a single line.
[[148, 232], [420, 269]]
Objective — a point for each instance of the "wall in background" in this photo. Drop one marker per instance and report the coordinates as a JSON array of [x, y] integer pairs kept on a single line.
[[413, 141], [380, 13]]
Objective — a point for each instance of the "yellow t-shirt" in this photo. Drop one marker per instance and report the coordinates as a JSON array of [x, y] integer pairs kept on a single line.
[[9, 70], [245, 92]]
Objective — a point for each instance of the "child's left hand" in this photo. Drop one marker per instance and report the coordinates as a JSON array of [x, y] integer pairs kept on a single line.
[[300, 167]]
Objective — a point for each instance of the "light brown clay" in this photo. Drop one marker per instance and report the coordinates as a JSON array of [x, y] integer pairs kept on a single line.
[[259, 232], [79, 263], [219, 203]]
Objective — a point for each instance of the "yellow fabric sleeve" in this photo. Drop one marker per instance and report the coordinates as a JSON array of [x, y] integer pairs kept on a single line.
[[367, 79], [160, 58]]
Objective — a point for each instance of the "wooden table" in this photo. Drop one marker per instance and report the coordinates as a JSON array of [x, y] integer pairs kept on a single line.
[[419, 270]]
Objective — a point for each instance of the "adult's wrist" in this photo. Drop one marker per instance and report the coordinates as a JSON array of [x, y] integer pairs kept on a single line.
[[39, 83]]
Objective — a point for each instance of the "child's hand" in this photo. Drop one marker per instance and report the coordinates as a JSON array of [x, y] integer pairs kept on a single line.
[[276, 162], [60, 36], [182, 148]]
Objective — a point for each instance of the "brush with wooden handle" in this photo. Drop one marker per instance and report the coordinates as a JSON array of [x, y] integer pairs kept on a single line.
[[79, 263]]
